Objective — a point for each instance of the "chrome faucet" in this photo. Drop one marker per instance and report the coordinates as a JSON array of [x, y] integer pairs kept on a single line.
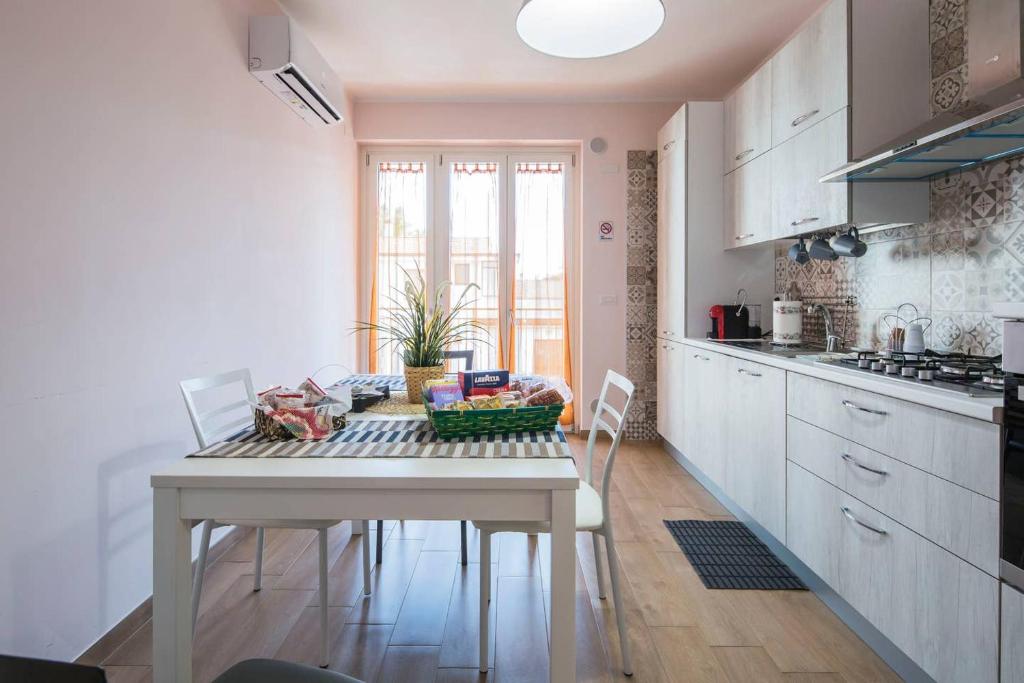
[[833, 342]]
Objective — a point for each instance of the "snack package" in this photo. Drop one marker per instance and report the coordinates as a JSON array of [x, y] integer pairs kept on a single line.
[[545, 397], [290, 399], [444, 395], [485, 402], [312, 391], [483, 382], [461, 405], [266, 397]]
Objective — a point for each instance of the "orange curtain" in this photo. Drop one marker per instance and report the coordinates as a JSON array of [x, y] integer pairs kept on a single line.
[[567, 418]]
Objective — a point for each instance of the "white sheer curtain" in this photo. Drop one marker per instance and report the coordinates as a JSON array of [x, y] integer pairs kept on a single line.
[[474, 251], [401, 242], [539, 296]]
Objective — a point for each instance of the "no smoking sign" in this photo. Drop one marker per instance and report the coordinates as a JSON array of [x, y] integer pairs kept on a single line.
[[606, 230]]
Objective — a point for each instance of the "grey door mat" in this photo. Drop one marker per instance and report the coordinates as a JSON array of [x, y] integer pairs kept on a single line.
[[726, 554]]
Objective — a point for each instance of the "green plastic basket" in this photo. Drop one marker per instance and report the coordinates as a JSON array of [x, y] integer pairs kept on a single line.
[[457, 424]]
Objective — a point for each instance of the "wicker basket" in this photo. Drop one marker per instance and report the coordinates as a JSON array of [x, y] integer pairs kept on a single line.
[[415, 377], [456, 424], [274, 431]]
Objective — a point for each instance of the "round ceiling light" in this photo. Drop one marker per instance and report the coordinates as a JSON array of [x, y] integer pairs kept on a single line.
[[582, 29]]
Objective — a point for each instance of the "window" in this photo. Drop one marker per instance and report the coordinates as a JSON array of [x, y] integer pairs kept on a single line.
[[497, 226]]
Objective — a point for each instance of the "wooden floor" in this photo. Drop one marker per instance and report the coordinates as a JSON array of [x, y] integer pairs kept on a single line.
[[420, 624]]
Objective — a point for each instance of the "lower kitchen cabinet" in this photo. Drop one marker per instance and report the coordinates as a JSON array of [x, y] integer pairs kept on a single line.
[[755, 441], [671, 415], [1012, 664], [703, 434], [941, 611]]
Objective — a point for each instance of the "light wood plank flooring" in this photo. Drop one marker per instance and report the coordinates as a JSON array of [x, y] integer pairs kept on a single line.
[[420, 624]]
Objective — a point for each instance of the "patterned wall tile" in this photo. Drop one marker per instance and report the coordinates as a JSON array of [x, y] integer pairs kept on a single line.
[[641, 291]]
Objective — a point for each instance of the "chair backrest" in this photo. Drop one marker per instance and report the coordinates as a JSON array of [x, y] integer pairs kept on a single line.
[[466, 355], [224, 419], [26, 670], [604, 416]]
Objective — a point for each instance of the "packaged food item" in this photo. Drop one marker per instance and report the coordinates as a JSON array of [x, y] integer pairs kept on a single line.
[[545, 397], [518, 403], [534, 388], [444, 395], [516, 385], [444, 381], [266, 397], [312, 391], [485, 402], [291, 399], [509, 396], [461, 405], [483, 382]]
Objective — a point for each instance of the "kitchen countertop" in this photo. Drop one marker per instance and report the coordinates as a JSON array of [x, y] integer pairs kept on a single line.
[[988, 409]]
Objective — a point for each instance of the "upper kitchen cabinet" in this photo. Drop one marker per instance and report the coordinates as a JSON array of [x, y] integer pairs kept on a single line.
[[870, 55], [672, 135], [748, 131], [809, 75]]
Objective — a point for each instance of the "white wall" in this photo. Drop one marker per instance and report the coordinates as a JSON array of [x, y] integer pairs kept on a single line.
[[163, 216], [625, 126]]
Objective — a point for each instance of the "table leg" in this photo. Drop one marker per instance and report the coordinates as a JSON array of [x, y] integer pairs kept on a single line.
[[172, 619], [563, 586]]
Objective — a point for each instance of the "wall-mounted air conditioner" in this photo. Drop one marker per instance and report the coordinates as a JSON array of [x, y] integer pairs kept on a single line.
[[283, 59]]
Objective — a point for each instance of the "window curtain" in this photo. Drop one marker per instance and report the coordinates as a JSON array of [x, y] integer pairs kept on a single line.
[[474, 252], [539, 327], [400, 243]]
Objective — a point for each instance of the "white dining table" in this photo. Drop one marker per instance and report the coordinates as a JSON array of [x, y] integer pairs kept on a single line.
[[492, 489]]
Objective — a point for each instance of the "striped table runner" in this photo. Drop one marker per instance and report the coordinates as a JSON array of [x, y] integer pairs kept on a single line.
[[399, 438]]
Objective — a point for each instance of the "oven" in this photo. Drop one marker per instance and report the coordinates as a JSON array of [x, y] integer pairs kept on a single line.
[[1012, 494]]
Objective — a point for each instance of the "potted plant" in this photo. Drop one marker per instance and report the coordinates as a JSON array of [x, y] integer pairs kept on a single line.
[[422, 330]]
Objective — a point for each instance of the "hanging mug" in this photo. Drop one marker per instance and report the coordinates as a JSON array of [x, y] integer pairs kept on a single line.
[[850, 244], [798, 252]]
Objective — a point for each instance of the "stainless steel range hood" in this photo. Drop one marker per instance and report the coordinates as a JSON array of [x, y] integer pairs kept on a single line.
[[946, 144], [995, 134]]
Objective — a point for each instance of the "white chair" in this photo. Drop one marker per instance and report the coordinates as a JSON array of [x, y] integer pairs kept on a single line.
[[592, 514], [221, 422]]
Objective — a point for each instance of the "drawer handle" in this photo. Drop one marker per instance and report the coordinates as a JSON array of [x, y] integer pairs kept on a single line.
[[744, 153], [853, 406], [700, 357], [850, 459], [801, 221], [744, 236], [803, 117], [748, 372], [853, 518]]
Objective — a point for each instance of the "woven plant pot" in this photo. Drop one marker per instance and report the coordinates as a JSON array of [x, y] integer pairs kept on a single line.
[[415, 377]]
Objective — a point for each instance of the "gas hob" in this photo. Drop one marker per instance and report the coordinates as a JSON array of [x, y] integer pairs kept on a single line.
[[976, 376]]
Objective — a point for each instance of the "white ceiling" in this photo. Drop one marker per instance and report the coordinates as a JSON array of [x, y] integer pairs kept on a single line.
[[469, 50]]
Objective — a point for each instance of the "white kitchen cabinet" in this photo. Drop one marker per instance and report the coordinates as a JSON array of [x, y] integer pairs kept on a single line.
[[809, 74], [959, 449], [812, 536], [854, 79], [748, 122], [748, 203], [939, 610], [755, 441], [704, 430], [671, 382], [694, 272], [951, 516], [1012, 635]]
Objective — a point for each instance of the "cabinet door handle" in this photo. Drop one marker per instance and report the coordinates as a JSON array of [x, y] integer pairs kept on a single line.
[[853, 518], [744, 236], [744, 153], [853, 406], [700, 357], [852, 460], [801, 221], [668, 144], [744, 371], [668, 333], [803, 117]]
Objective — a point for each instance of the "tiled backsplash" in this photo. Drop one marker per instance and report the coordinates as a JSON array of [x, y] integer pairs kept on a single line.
[[952, 268]]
